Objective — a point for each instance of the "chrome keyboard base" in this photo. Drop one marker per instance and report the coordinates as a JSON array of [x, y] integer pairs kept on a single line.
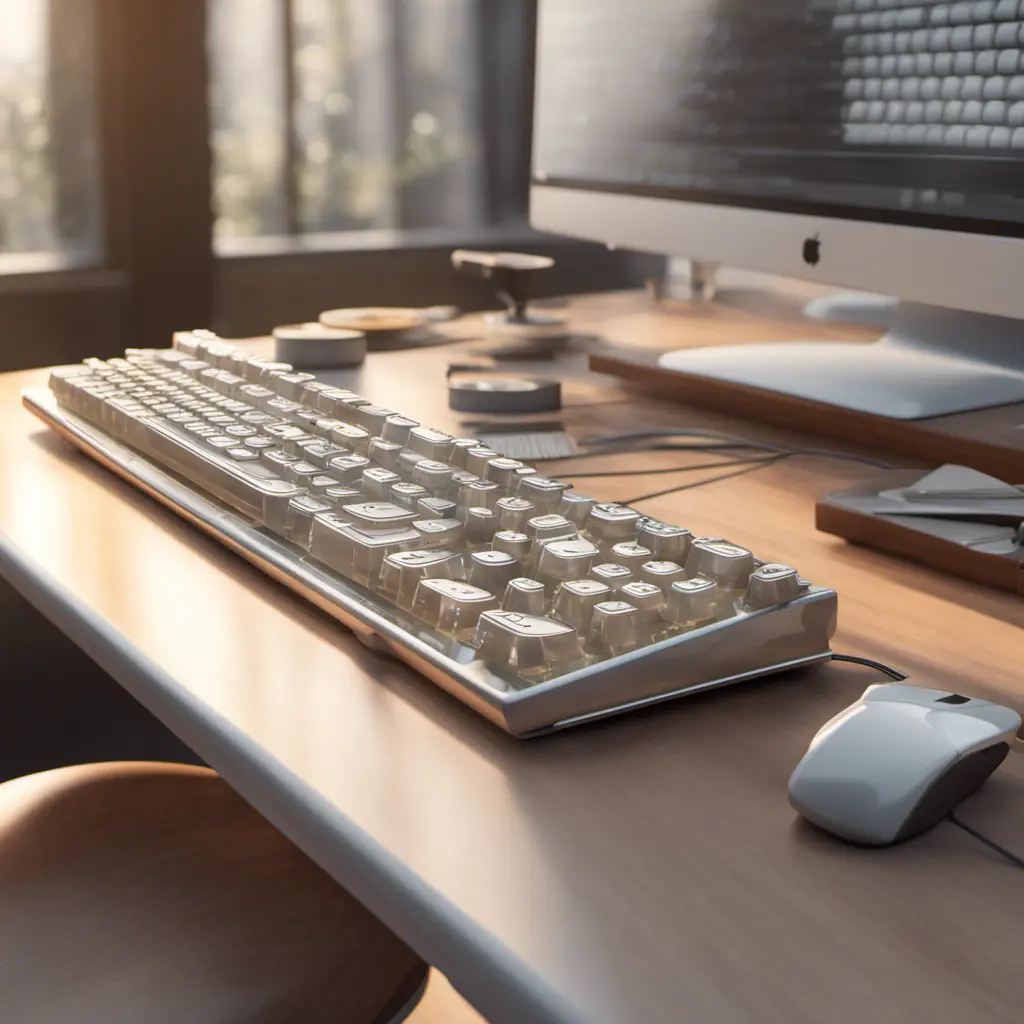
[[757, 644]]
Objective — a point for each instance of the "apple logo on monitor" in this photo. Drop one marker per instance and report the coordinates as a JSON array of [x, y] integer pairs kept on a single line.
[[812, 250]]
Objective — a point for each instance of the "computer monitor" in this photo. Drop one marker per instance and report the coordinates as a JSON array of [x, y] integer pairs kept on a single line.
[[871, 144]]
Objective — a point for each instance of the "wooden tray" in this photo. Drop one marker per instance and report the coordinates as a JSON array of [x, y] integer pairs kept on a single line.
[[843, 515]]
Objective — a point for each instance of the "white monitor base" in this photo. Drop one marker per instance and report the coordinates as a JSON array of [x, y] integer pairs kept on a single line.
[[854, 308], [932, 362]]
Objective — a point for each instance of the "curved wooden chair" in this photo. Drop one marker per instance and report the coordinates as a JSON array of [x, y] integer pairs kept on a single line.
[[147, 893]]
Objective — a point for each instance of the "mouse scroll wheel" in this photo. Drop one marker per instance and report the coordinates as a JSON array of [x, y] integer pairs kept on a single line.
[[953, 698]]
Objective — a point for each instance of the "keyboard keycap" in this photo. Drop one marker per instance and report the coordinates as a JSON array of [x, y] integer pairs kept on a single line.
[[692, 600], [355, 552], [575, 600], [530, 644], [773, 584], [613, 625], [402, 572], [728, 564], [451, 606], [524, 595], [492, 570]]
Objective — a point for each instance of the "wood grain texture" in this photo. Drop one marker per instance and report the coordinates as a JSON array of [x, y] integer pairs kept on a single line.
[[152, 894], [645, 869]]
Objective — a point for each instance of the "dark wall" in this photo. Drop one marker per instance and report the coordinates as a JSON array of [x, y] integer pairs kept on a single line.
[[57, 707]]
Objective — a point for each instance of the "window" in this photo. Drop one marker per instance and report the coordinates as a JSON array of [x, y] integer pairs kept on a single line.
[[244, 163], [48, 197], [353, 115]]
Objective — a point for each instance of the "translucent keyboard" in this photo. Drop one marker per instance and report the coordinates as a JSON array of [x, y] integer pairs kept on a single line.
[[539, 606]]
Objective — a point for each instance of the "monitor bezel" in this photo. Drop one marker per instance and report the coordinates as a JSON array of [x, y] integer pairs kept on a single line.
[[958, 269]]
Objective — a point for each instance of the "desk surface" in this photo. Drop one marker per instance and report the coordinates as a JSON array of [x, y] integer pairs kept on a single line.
[[645, 869]]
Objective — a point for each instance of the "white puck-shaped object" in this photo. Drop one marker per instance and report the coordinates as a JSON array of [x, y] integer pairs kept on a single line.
[[313, 346], [505, 394], [372, 319]]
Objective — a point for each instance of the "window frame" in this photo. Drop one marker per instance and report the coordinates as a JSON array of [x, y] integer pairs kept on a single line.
[[160, 269]]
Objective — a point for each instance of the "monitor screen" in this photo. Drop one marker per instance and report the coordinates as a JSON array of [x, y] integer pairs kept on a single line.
[[899, 111]]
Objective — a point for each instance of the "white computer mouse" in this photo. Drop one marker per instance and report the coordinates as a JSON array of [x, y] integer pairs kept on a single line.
[[898, 761]]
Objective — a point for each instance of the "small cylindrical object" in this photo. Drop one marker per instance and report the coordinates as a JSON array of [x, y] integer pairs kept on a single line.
[[772, 584], [315, 347], [525, 596], [727, 563], [691, 600]]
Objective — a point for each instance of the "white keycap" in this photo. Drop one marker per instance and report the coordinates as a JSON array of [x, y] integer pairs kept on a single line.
[[729, 564], [524, 595], [692, 600], [772, 584], [451, 606], [575, 599], [402, 572], [527, 643]]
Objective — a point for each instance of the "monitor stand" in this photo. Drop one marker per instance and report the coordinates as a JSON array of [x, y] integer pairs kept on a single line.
[[854, 308], [931, 362]]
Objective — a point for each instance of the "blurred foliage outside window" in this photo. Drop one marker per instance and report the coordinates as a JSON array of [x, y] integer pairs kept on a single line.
[[339, 115], [48, 195]]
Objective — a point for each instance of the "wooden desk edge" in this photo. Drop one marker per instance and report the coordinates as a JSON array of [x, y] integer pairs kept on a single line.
[[481, 969]]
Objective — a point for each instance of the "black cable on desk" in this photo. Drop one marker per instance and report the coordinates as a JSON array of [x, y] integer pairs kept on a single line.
[[853, 659], [758, 464], [1017, 862]]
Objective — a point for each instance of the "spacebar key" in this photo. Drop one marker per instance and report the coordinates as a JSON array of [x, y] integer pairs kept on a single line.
[[251, 488]]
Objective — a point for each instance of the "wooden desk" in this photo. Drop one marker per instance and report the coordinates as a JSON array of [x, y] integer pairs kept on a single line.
[[647, 869]]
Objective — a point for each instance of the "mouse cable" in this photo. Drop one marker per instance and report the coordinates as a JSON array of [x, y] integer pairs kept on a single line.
[[892, 673], [1017, 862]]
